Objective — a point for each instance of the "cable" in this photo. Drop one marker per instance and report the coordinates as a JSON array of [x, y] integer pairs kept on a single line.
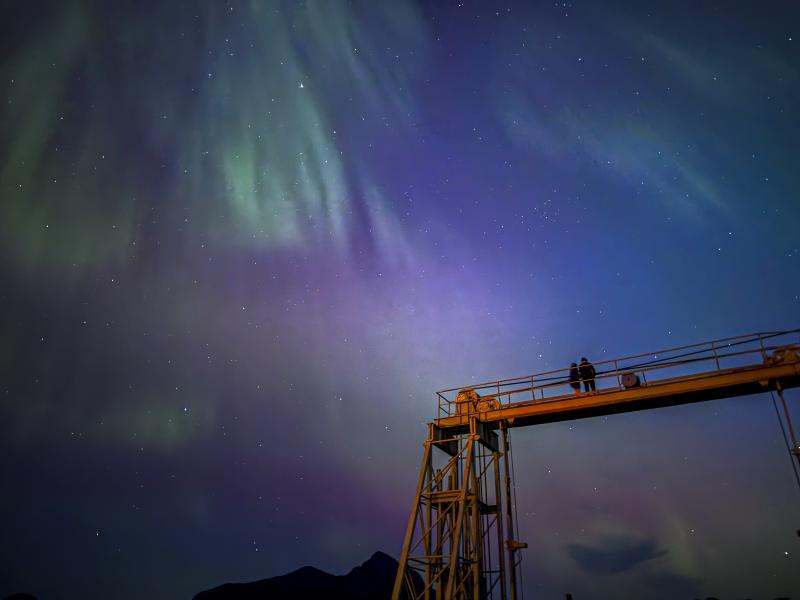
[[786, 440]]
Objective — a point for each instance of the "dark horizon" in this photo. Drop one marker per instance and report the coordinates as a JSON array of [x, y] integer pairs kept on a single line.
[[242, 244]]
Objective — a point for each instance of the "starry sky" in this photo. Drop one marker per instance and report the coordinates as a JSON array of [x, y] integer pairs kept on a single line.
[[242, 243]]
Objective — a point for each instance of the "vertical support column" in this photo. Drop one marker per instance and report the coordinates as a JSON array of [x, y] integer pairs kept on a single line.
[[512, 568], [441, 524], [475, 547], [429, 487], [456, 540], [452, 510], [501, 555]]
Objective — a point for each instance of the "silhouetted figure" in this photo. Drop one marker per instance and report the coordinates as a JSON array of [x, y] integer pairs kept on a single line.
[[574, 379], [587, 374]]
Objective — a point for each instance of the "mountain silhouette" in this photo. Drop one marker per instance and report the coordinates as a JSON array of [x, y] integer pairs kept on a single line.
[[372, 580]]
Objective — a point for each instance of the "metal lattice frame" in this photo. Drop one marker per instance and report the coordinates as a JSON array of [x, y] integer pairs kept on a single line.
[[458, 543], [455, 544]]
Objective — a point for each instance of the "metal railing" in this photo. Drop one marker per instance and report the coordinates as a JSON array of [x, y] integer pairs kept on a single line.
[[652, 368]]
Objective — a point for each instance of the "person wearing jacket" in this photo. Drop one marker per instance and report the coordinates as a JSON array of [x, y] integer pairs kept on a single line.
[[588, 374], [574, 379]]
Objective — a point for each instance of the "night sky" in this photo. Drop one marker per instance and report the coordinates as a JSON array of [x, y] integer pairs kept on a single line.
[[243, 243]]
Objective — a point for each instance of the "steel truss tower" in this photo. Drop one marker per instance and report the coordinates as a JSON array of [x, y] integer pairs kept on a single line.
[[459, 540]]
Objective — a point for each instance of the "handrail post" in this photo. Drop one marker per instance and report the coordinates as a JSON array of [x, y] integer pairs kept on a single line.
[[616, 372], [533, 390], [716, 358], [763, 350]]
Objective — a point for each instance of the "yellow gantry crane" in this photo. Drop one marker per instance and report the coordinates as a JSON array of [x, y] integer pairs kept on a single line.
[[461, 540]]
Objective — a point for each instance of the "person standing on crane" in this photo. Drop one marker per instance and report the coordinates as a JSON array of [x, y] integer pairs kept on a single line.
[[574, 379], [587, 375]]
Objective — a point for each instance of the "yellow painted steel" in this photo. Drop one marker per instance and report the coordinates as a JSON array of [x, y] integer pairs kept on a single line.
[[669, 392], [462, 520]]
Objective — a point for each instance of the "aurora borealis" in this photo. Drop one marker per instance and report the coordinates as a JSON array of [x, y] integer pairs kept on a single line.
[[243, 243]]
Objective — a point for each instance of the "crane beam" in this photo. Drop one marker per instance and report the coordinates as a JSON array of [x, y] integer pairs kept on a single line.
[[701, 387]]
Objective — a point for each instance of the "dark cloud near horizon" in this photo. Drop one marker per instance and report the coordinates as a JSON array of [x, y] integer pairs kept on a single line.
[[614, 554]]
